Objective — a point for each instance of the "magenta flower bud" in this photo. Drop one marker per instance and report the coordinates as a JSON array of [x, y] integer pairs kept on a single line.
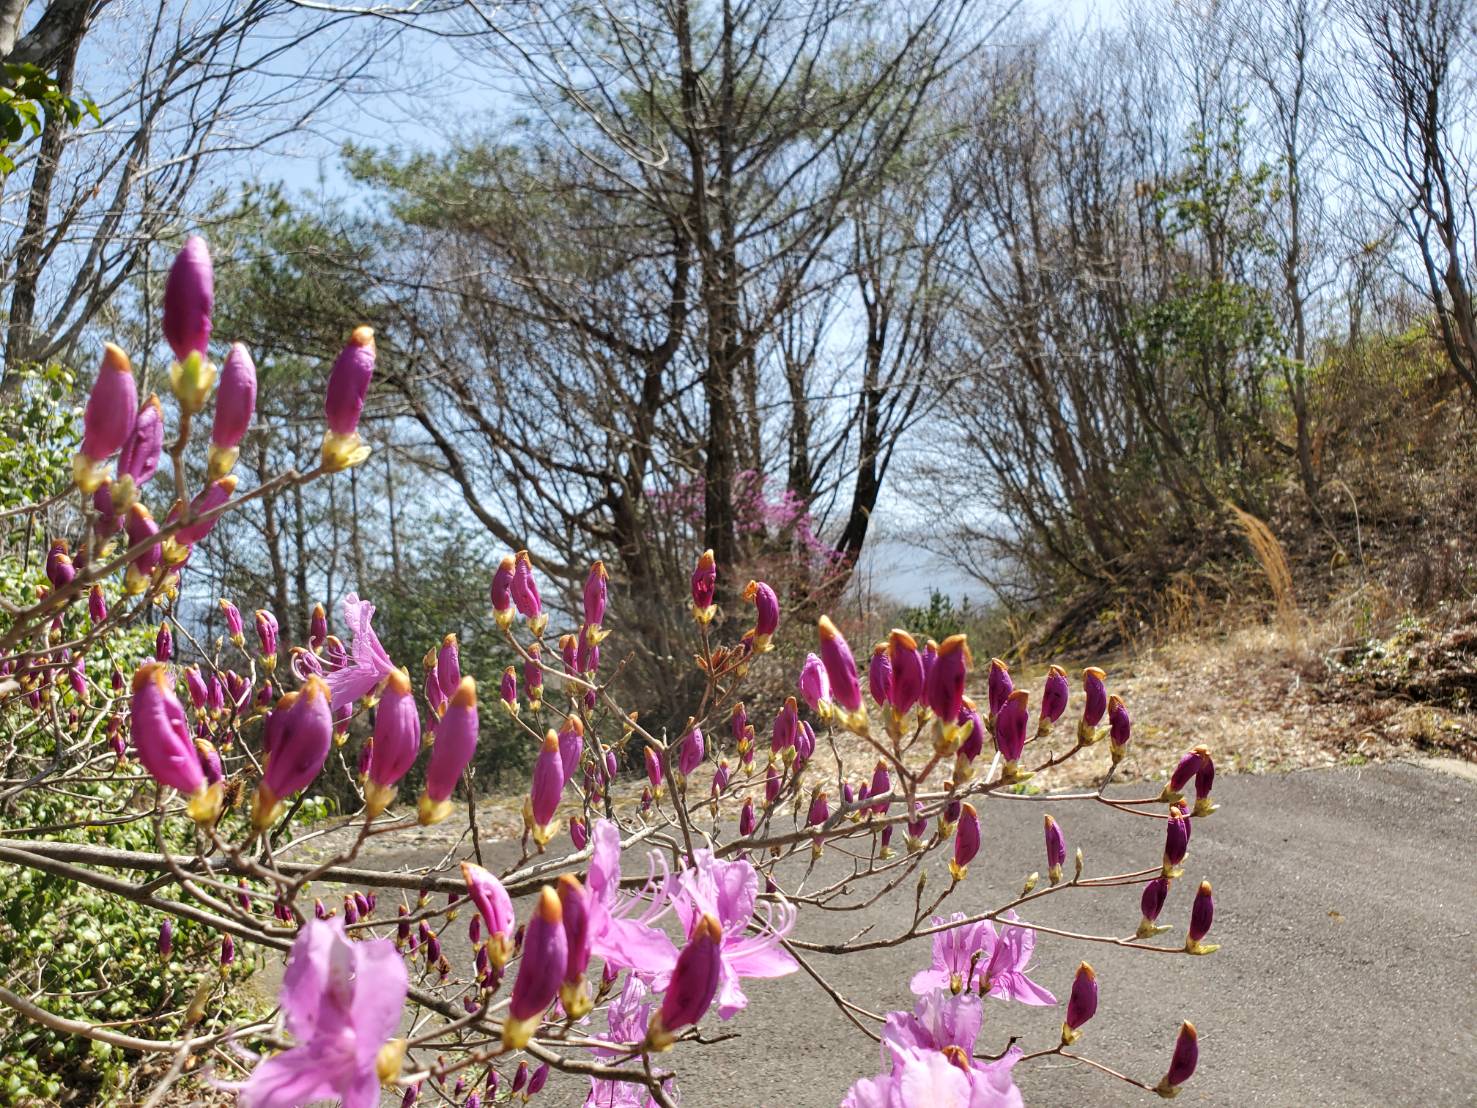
[[520, 1078], [998, 686], [1096, 693], [456, 742], [951, 811], [108, 521], [918, 825], [435, 697], [351, 910], [266, 633], [579, 835], [402, 926], [540, 971], [1182, 1062], [595, 596], [766, 613], [571, 746], [77, 677], [97, 605], [907, 670], [1081, 1005], [303, 735], [820, 809], [411, 1094], [166, 938], [815, 685], [1176, 841], [164, 644], [319, 910], [846, 690], [690, 750], [804, 742], [586, 654], [786, 726], [525, 593], [1202, 913], [139, 525], [317, 627], [1119, 726], [548, 781], [1204, 779], [107, 421], [720, 777], [848, 794], [972, 731], [213, 496], [879, 675], [161, 733], [502, 592], [930, 656], [966, 841], [1188, 767], [535, 1082], [189, 298], [881, 786], [533, 675], [1010, 725], [508, 689], [228, 951], [210, 759], [215, 694], [235, 403], [449, 663], [139, 459], [738, 723], [194, 683], [433, 951], [365, 904], [694, 984], [1056, 850], [747, 820], [348, 383], [396, 742], [574, 903], [704, 586], [234, 627], [1054, 699], [772, 782], [653, 768], [944, 691]]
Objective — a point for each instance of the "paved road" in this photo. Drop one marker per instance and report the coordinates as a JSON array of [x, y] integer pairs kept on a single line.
[[1346, 909]]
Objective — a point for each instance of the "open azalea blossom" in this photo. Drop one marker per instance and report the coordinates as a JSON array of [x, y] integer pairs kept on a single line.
[[342, 1001], [929, 1056], [624, 940], [369, 663], [729, 891], [1000, 969], [627, 1017]]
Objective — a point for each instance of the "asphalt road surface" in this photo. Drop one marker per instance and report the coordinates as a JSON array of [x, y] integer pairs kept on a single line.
[[1347, 975]]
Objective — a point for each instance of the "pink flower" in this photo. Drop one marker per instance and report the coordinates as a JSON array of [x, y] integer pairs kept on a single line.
[[371, 664], [1054, 699], [930, 1059], [945, 689], [879, 675], [595, 595], [998, 686], [343, 1003], [1000, 970], [846, 689], [627, 1018], [546, 787], [766, 613], [621, 939], [729, 891]]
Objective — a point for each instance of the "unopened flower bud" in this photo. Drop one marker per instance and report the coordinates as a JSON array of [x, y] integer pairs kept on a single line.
[[1182, 1062], [1081, 1005]]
